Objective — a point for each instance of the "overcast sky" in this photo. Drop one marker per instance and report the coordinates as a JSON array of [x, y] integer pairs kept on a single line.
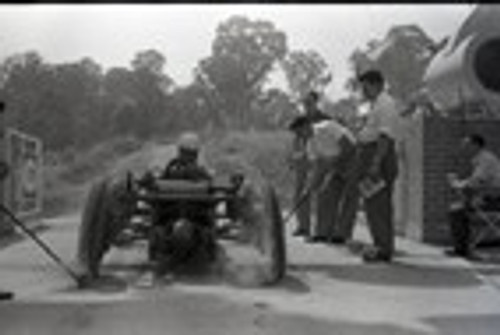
[[111, 34]]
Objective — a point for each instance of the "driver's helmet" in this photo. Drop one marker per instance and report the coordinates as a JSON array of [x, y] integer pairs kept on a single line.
[[189, 142]]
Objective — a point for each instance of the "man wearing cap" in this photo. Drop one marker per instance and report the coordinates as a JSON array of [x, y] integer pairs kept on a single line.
[[377, 167], [185, 236], [301, 127], [312, 112]]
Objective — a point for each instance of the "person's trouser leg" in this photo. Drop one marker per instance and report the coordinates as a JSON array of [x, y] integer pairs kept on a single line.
[[459, 229], [304, 210], [348, 207], [328, 205], [353, 170], [379, 207], [379, 214], [319, 198]]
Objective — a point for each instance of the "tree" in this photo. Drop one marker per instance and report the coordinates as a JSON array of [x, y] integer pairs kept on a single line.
[[119, 99], [152, 63], [403, 55], [344, 110], [58, 103], [149, 60], [76, 94], [151, 89], [273, 110], [27, 91], [306, 71], [243, 54], [191, 109], [139, 98]]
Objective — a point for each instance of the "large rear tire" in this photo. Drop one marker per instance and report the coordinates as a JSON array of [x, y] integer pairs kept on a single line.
[[259, 211], [91, 237], [274, 245], [107, 212]]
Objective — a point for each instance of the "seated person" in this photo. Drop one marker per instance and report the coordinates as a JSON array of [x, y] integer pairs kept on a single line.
[[189, 222], [482, 182], [185, 165]]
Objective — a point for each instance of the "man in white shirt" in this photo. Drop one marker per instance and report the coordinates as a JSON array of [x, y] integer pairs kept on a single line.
[[331, 150], [484, 182], [377, 164]]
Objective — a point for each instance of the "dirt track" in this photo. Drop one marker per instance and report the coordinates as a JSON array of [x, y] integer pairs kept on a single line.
[[328, 290]]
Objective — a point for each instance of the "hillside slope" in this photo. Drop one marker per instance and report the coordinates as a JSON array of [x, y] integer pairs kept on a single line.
[[263, 153]]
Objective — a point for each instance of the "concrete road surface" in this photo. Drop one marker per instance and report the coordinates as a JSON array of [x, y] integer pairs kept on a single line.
[[328, 291]]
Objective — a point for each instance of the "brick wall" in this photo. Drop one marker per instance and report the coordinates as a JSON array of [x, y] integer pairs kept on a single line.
[[408, 195]]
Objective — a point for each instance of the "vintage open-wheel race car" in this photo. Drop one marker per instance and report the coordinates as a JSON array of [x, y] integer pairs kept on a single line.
[[183, 221]]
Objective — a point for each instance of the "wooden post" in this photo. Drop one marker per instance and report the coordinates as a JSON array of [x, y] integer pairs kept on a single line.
[[5, 228]]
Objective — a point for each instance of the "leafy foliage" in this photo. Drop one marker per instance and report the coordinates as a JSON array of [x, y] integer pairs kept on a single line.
[[243, 54], [306, 71], [403, 55], [76, 105]]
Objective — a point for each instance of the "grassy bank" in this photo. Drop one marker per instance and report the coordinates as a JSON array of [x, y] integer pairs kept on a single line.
[[66, 183]]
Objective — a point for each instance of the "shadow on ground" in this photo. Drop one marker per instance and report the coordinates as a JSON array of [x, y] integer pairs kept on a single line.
[[175, 314], [13, 238], [105, 284], [466, 324], [396, 274], [292, 284]]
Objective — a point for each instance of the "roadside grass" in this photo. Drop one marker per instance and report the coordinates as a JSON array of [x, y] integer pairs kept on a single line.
[[263, 153]]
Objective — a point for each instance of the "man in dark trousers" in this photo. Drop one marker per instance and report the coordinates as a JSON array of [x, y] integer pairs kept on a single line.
[[300, 165], [377, 165], [332, 147], [301, 127]]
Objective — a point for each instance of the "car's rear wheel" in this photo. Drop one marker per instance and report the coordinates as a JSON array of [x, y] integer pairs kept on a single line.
[[91, 241]]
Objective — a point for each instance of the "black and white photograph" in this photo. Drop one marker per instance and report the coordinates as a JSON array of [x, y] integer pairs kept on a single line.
[[250, 168]]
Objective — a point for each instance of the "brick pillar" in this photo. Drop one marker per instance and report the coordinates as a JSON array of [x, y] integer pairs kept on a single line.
[[408, 195], [441, 141]]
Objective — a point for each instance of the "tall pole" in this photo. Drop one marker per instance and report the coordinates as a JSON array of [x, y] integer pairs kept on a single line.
[[4, 295], [3, 167]]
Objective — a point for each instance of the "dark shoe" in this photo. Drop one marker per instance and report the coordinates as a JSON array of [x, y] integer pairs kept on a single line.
[[337, 240], [300, 233], [474, 257], [317, 239], [5, 295], [355, 247], [457, 253], [376, 256]]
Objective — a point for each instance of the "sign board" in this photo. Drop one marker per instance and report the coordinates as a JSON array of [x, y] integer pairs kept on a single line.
[[24, 184]]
